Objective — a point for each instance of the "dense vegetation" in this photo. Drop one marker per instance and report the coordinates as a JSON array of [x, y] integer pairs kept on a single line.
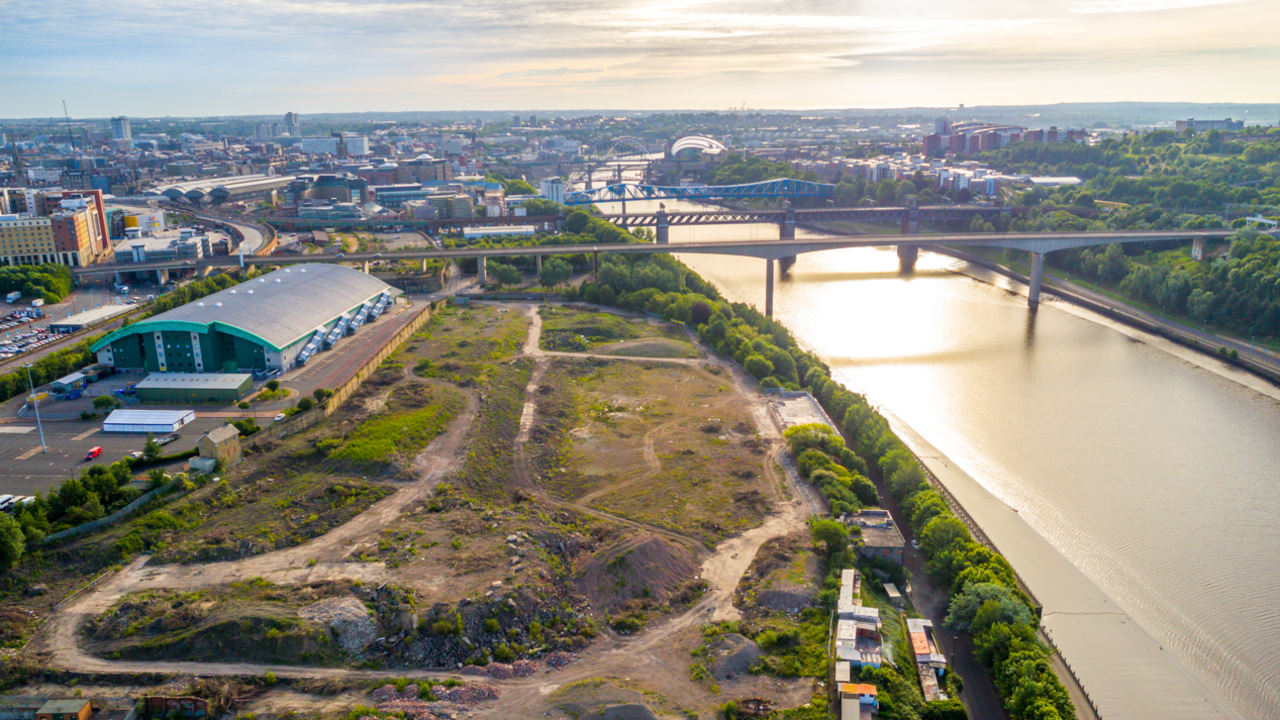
[[1186, 172], [51, 283], [47, 369], [737, 170]]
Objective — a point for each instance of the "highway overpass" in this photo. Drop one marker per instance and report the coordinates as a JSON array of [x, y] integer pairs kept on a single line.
[[770, 250]]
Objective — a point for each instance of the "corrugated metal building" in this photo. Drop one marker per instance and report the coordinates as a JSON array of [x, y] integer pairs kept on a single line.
[[181, 388], [267, 323], [147, 421]]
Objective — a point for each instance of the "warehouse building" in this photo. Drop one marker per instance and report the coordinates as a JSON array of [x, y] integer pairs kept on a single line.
[[185, 388], [147, 421], [274, 322]]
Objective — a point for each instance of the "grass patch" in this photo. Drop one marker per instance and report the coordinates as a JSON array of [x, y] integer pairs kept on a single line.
[[404, 433], [252, 621]]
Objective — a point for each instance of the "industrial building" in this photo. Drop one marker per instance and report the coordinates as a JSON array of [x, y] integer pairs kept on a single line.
[[185, 388], [88, 318], [274, 322], [147, 421]]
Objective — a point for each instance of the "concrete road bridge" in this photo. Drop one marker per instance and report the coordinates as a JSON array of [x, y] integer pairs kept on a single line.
[[782, 251]]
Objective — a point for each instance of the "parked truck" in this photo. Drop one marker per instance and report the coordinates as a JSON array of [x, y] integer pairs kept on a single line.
[[38, 302], [13, 297]]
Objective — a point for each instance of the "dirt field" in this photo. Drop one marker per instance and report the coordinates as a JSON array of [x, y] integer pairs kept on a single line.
[[582, 513]]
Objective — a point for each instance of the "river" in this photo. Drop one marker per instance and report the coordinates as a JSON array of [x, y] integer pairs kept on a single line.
[[1153, 471]]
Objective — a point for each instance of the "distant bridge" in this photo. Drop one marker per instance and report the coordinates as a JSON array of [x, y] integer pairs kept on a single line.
[[784, 250], [622, 192]]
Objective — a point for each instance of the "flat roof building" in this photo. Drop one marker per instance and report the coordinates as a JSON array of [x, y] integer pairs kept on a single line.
[[88, 318], [274, 322], [147, 421], [182, 388]]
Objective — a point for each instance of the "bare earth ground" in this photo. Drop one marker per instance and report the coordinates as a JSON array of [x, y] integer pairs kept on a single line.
[[657, 658]]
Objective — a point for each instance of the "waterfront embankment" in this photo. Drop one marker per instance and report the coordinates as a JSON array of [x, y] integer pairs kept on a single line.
[[1126, 673]]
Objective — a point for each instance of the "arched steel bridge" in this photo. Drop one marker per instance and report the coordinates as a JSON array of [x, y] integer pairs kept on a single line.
[[770, 250], [621, 192]]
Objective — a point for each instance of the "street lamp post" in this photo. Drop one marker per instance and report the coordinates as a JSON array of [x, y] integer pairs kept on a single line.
[[43, 448]]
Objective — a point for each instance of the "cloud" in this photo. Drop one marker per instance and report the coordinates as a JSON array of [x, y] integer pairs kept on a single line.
[[1132, 6], [160, 57]]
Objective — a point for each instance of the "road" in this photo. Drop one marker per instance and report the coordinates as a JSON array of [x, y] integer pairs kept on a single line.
[[648, 656], [772, 249]]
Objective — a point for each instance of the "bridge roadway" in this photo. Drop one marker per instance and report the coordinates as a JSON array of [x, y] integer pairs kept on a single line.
[[769, 250], [658, 219]]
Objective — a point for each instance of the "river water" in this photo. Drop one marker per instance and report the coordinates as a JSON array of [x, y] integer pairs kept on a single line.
[[1153, 471]]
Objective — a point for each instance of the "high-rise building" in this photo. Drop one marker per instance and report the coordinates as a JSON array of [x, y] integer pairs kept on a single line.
[[533, 121], [27, 240], [515, 121], [120, 129], [552, 189], [292, 123]]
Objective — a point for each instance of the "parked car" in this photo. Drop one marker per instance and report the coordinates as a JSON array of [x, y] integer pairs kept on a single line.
[[279, 417], [137, 455], [93, 453], [167, 439]]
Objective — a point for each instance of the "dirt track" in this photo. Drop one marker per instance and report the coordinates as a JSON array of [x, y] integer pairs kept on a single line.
[[652, 656]]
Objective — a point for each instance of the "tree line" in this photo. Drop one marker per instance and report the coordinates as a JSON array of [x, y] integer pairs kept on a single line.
[[1003, 623]]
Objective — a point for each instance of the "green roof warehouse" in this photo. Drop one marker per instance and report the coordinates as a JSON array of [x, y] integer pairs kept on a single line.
[[274, 322]]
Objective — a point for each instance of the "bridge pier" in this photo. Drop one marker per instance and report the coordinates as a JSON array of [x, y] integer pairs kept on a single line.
[[424, 265], [595, 266], [537, 264], [1197, 249], [664, 226], [1037, 275], [768, 288], [162, 277], [365, 267], [907, 255], [482, 272], [786, 231]]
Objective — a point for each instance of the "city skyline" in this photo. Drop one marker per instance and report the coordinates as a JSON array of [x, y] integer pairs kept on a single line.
[[152, 59]]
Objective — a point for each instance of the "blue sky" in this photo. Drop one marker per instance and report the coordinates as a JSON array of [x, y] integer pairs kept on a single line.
[[160, 57]]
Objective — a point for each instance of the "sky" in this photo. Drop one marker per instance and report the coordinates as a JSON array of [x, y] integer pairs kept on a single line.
[[148, 58]]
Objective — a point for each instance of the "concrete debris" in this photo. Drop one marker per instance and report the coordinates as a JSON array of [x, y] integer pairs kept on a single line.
[[348, 617]]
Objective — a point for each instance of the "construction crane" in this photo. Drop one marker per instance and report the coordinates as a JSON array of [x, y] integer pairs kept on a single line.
[[67, 115]]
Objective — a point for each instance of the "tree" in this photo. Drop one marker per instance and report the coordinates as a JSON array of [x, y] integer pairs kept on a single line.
[[12, 542], [520, 187], [941, 533], [151, 451], [700, 312], [554, 272], [951, 709], [273, 385], [758, 366], [577, 221], [981, 605], [104, 402], [305, 404], [321, 394], [501, 275], [831, 533]]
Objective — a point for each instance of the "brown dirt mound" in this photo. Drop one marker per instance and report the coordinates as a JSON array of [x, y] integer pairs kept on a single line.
[[644, 566]]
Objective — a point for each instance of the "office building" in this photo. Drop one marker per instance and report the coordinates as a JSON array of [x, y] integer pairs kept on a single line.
[[120, 129], [552, 189], [1199, 126], [292, 124]]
